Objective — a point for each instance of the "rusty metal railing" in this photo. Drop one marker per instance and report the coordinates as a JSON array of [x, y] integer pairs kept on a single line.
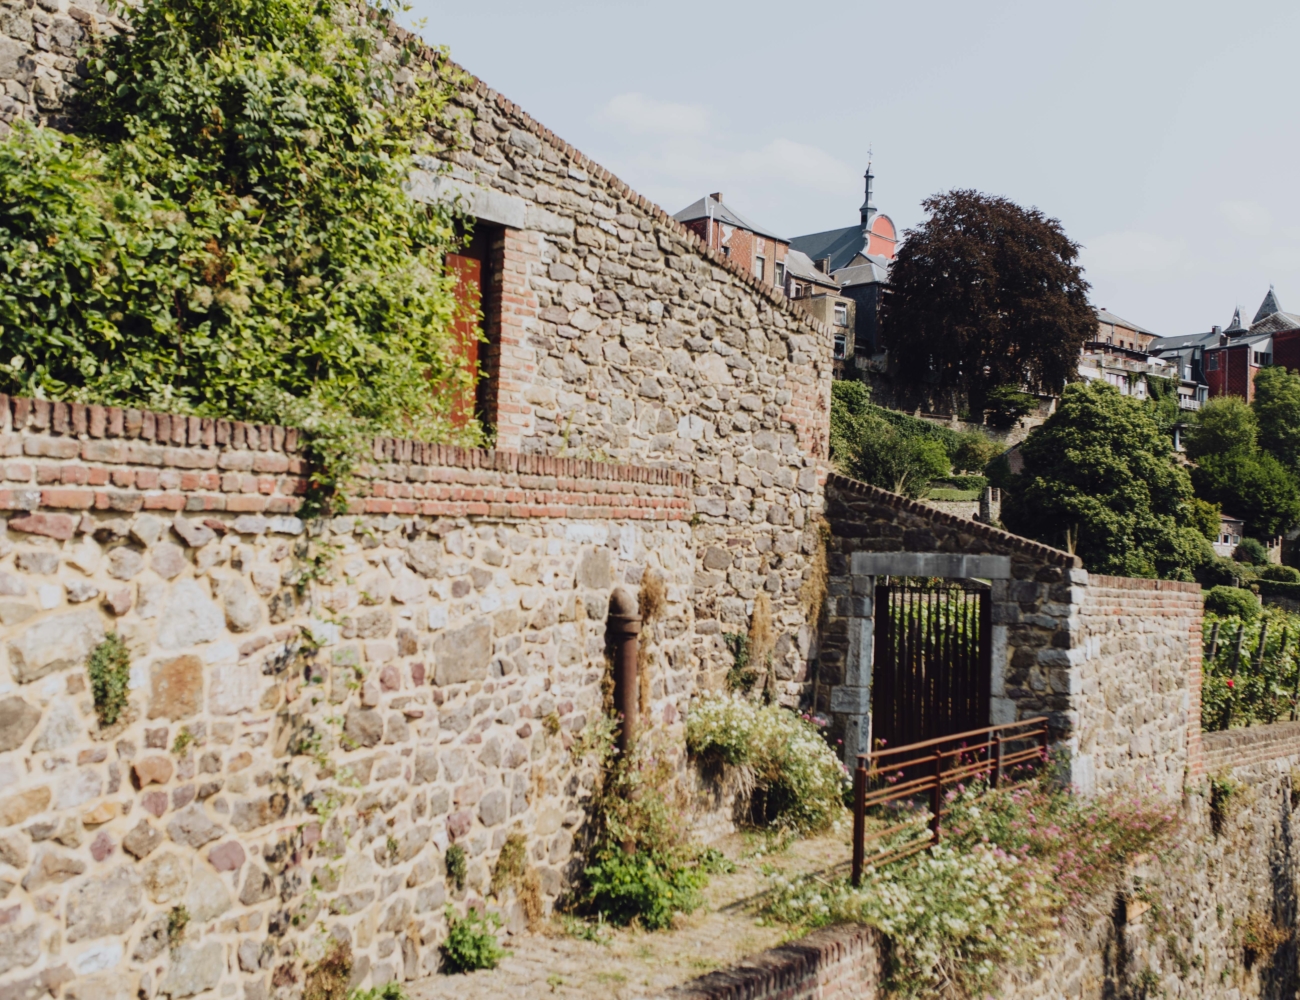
[[994, 753]]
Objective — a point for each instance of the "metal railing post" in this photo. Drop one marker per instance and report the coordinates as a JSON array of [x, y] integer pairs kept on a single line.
[[936, 797], [859, 819], [997, 759]]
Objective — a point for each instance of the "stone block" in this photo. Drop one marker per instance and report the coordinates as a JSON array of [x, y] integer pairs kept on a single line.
[[189, 616], [194, 969], [463, 654], [176, 688], [17, 720], [106, 905], [55, 644]]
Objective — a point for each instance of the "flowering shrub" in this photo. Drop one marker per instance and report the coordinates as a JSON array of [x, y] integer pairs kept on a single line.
[[1013, 865], [777, 753]]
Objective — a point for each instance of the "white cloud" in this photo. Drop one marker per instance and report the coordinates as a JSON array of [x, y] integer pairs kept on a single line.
[[1281, 259], [643, 115], [803, 165], [1133, 252], [1247, 217]]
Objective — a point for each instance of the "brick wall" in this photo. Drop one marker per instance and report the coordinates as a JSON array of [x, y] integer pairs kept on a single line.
[[1249, 747], [835, 963]]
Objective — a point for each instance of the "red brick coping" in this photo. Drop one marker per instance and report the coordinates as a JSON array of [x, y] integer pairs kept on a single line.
[[73, 457]]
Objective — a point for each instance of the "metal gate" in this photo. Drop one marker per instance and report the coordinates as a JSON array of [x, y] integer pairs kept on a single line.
[[931, 668]]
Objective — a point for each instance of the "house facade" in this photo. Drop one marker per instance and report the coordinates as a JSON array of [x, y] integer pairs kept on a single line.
[[751, 248]]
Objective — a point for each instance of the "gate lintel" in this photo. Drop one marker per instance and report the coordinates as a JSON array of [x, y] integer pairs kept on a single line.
[[933, 564]]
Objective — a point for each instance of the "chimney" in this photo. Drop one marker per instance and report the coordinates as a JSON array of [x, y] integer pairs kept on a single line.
[[716, 196], [823, 264]]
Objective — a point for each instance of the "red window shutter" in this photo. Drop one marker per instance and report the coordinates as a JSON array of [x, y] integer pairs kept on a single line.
[[465, 329]]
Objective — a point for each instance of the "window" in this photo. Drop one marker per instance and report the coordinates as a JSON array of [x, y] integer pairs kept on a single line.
[[759, 266], [796, 290], [780, 273], [1262, 358], [1212, 362], [841, 314], [841, 344]]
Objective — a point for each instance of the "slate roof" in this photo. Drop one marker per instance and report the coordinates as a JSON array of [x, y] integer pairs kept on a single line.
[[708, 205], [1109, 317], [865, 269], [1268, 307], [1163, 345], [800, 265], [840, 245], [1276, 322]]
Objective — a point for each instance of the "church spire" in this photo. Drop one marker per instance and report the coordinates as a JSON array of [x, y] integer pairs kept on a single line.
[[868, 209]]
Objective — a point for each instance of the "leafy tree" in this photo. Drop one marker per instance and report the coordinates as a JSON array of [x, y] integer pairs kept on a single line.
[[1204, 517], [1277, 411], [984, 294], [228, 233], [1007, 404], [1234, 472], [1223, 425], [1101, 477], [1251, 485], [1252, 551]]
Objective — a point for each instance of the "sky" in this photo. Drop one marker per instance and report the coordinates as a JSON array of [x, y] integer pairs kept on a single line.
[[1164, 136]]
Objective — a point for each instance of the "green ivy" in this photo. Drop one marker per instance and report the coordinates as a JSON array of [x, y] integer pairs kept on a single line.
[[228, 233], [109, 668]]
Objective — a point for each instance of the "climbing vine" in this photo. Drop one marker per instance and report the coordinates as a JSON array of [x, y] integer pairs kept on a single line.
[[227, 232]]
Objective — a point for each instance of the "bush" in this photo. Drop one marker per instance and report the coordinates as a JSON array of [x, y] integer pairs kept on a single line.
[[780, 756], [471, 942], [1252, 551], [1281, 574], [976, 483], [1219, 572], [626, 887], [1232, 602]]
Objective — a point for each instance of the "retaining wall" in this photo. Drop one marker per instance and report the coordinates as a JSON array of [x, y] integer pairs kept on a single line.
[[314, 713]]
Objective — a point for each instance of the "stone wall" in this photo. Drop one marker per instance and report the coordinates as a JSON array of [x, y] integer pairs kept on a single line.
[[1134, 663], [315, 713]]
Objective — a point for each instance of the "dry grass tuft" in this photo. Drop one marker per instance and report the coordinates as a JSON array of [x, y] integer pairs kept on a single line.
[[513, 871], [328, 978], [812, 594]]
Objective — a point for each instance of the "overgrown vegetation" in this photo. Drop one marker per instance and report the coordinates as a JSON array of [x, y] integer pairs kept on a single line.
[[227, 234], [641, 866], [894, 451], [1014, 863], [786, 769], [1251, 662], [109, 671], [471, 942]]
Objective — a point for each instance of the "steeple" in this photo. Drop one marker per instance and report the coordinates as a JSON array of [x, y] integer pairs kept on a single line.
[[868, 209], [1268, 307], [1235, 326]]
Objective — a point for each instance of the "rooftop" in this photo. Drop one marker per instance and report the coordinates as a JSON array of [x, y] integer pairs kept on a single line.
[[713, 208]]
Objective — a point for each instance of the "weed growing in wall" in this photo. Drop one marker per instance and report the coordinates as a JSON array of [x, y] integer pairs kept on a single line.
[[512, 871], [471, 942], [1014, 864], [457, 866], [109, 670]]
